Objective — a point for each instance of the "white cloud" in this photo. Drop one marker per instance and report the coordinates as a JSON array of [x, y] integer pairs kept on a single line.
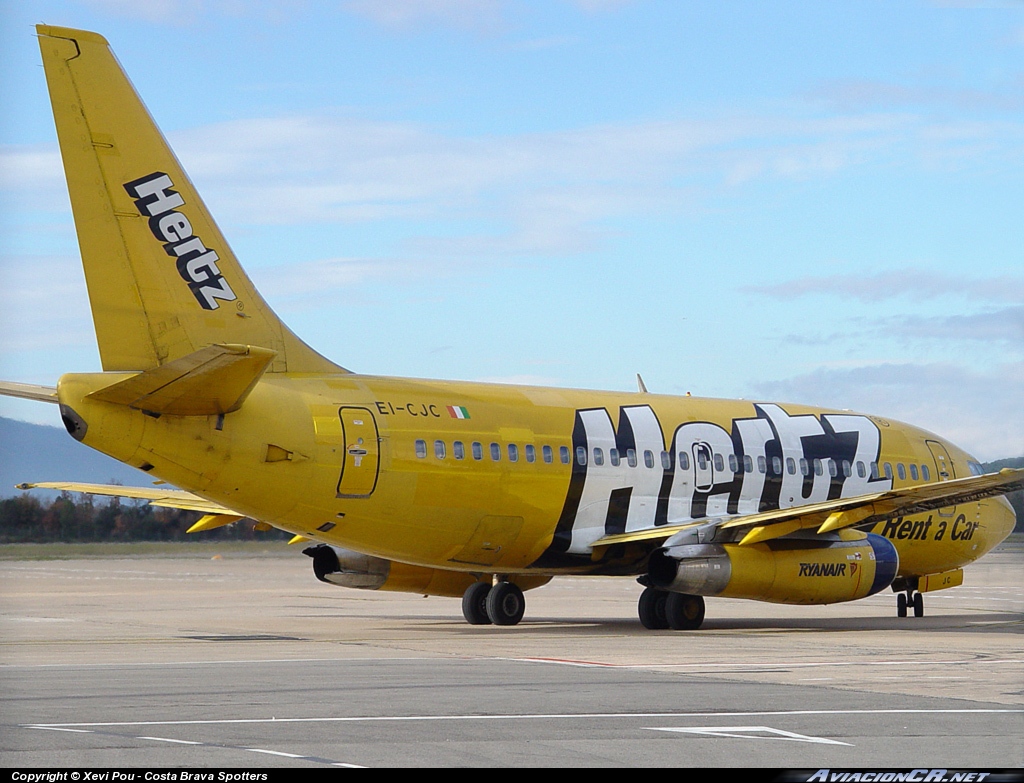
[[910, 282], [188, 12], [976, 409], [527, 193], [481, 16]]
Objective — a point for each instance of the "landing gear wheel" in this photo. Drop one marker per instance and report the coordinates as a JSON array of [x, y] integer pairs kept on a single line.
[[901, 605], [684, 612], [474, 604], [651, 608], [505, 604], [918, 605]]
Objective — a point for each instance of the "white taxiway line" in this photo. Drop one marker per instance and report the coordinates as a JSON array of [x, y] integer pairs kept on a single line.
[[514, 716]]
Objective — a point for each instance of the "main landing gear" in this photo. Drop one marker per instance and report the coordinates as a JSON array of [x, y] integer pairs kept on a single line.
[[501, 604], [910, 598], [660, 609]]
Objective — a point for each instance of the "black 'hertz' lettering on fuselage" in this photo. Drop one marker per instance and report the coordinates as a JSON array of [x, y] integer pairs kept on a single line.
[[775, 461]]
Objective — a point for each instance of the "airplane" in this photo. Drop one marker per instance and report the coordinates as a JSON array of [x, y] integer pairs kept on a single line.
[[465, 489]]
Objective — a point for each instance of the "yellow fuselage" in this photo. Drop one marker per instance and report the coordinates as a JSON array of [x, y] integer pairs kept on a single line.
[[422, 472]]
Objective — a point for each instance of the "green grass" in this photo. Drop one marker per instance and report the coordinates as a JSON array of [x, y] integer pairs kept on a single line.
[[202, 550]]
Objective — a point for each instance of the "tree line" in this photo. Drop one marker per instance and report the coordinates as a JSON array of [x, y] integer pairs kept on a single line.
[[81, 518]]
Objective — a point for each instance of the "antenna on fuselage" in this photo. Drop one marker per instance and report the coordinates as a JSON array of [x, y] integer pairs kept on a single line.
[[640, 385]]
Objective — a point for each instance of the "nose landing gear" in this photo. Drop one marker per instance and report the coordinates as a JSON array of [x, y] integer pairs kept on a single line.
[[911, 598]]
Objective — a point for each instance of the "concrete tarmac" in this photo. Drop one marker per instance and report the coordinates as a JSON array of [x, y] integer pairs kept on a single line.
[[247, 661]]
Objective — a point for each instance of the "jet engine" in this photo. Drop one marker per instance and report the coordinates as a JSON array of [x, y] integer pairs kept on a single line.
[[346, 568], [785, 571]]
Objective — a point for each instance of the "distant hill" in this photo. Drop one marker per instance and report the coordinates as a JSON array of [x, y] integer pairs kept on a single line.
[[35, 452]]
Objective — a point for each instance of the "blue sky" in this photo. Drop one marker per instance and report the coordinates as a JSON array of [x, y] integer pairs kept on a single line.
[[796, 201]]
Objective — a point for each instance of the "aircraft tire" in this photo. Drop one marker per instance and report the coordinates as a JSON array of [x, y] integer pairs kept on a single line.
[[474, 604], [901, 605], [505, 604], [684, 612], [918, 605], [651, 608]]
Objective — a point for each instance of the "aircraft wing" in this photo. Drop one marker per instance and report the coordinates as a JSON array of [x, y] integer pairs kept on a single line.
[[844, 512], [216, 515]]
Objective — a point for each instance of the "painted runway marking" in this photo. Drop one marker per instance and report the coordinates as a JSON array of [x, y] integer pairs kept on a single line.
[[727, 666], [750, 732], [217, 745], [686, 667], [526, 716]]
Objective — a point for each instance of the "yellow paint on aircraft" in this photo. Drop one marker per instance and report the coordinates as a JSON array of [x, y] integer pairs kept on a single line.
[[440, 487]]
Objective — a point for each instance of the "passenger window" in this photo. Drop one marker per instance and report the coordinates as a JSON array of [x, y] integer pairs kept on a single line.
[[702, 459], [777, 466], [748, 464], [666, 460], [734, 465], [531, 453], [421, 449], [548, 453], [684, 461], [901, 471], [888, 470], [495, 452], [847, 468], [925, 473], [598, 456], [563, 454], [649, 458], [833, 469], [439, 449], [513, 453], [862, 471], [913, 471], [719, 463], [631, 457], [581, 455], [478, 450], [762, 465], [874, 471], [805, 468], [791, 466], [818, 470], [459, 450], [613, 457]]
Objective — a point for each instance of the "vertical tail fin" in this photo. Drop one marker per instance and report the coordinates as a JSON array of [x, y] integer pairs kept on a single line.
[[162, 281]]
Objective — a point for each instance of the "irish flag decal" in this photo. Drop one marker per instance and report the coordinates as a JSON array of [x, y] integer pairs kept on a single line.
[[458, 412]]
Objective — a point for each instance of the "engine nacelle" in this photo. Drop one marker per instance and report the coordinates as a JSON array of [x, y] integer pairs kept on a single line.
[[784, 571], [346, 568]]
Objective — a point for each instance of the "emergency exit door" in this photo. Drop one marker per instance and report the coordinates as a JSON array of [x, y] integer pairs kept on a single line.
[[362, 453]]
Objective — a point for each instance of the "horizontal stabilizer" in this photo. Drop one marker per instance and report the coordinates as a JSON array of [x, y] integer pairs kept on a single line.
[[215, 379], [832, 515], [28, 391]]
